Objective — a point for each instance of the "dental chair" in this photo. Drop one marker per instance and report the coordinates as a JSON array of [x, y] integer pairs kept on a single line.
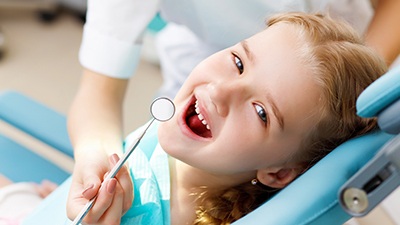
[[315, 198], [17, 161]]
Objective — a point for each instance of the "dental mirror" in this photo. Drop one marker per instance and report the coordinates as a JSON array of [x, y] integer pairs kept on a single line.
[[162, 109]]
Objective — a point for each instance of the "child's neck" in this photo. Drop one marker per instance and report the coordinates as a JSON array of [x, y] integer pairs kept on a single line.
[[187, 183], [182, 203]]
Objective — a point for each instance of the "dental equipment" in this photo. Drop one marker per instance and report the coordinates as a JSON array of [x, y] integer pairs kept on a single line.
[[374, 182], [162, 109]]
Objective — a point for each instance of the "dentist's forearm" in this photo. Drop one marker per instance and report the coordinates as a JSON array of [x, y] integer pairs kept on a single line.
[[95, 117]]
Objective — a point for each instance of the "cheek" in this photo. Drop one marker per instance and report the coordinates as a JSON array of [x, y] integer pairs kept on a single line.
[[245, 142], [250, 148], [172, 140], [284, 148], [165, 135]]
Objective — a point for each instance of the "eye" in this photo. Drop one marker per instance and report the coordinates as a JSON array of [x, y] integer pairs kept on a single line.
[[238, 63], [261, 113]]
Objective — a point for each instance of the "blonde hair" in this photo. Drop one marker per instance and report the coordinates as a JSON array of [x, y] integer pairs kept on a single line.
[[343, 67]]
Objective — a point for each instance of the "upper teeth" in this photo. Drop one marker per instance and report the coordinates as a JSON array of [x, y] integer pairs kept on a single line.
[[201, 117]]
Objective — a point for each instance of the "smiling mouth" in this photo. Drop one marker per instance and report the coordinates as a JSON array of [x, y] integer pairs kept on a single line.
[[196, 122]]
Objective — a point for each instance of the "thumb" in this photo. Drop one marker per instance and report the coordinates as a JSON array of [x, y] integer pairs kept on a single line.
[[91, 186]]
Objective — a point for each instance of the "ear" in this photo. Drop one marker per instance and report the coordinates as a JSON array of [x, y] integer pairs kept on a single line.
[[277, 177]]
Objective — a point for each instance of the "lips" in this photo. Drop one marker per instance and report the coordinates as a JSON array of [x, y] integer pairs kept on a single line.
[[196, 121]]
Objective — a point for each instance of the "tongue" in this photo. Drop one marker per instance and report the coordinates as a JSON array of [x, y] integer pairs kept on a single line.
[[198, 127]]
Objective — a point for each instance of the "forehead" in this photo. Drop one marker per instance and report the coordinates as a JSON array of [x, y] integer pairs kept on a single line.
[[280, 33], [279, 44], [285, 76]]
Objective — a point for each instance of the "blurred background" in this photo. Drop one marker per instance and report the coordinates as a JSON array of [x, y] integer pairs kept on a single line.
[[39, 43]]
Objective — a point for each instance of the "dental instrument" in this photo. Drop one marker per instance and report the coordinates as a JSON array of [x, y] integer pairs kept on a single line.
[[162, 109]]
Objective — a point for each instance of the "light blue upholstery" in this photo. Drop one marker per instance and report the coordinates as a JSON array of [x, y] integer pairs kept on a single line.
[[18, 162], [22, 165], [35, 119], [382, 99], [380, 94]]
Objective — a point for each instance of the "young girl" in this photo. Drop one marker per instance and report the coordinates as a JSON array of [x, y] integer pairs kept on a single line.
[[249, 120]]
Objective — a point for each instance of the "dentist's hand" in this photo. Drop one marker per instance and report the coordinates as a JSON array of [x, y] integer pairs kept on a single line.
[[114, 197]]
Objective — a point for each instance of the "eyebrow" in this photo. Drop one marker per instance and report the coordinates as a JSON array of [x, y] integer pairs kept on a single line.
[[276, 111], [247, 50]]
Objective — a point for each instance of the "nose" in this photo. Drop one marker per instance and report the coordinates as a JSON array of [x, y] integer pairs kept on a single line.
[[228, 95]]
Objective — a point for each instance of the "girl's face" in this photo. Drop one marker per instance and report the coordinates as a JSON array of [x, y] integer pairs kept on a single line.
[[245, 108]]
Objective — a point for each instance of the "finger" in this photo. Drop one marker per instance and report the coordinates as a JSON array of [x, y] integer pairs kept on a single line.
[[105, 175], [86, 182], [114, 213], [102, 202], [89, 192], [124, 179], [75, 200], [91, 185]]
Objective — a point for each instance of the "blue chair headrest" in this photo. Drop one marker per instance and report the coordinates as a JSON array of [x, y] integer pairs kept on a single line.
[[380, 94], [382, 99]]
